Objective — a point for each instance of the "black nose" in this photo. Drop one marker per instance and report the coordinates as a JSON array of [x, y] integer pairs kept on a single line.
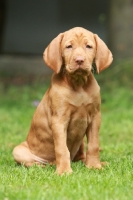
[[79, 60]]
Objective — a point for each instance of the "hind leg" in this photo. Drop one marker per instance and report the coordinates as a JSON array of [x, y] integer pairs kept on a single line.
[[80, 154], [23, 155]]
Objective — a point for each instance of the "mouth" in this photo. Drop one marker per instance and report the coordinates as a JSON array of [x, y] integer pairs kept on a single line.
[[80, 71]]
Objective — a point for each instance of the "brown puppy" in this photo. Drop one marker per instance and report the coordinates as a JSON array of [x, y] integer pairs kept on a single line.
[[70, 109]]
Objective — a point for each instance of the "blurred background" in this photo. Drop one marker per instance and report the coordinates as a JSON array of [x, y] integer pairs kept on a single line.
[[27, 27]]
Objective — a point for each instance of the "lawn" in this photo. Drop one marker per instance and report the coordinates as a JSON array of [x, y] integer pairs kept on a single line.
[[113, 182]]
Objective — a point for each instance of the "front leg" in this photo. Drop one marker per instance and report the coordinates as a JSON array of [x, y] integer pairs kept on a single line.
[[59, 129], [92, 154]]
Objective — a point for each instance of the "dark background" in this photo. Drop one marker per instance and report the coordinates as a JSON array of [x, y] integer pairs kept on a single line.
[[27, 27], [31, 25]]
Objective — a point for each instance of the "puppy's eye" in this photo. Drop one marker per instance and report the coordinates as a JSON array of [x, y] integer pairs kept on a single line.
[[69, 46], [88, 46]]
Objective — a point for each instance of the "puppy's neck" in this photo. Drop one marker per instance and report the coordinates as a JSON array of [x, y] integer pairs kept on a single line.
[[76, 81]]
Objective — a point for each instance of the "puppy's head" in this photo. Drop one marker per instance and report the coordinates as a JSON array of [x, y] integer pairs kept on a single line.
[[76, 50]]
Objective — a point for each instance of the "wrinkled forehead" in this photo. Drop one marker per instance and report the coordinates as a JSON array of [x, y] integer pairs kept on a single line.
[[78, 35]]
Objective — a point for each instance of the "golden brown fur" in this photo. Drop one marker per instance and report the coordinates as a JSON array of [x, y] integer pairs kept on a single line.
[[70, 109]]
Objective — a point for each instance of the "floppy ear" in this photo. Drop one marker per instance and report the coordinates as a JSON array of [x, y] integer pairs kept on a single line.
[[52, 54], [103, 56]]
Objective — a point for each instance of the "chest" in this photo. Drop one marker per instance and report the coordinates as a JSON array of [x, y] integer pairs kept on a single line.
[[79, 121], [80, 99]]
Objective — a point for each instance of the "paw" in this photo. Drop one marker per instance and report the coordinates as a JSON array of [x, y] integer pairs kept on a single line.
[[96, 165], [61, 171]]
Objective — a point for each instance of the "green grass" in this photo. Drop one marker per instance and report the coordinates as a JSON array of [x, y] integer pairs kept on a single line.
[[114, 182]]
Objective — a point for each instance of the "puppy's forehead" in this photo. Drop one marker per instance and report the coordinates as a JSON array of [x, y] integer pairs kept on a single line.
[[77, 34]]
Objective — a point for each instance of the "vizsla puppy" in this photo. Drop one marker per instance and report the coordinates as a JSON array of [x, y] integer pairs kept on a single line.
[[70, 109]]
